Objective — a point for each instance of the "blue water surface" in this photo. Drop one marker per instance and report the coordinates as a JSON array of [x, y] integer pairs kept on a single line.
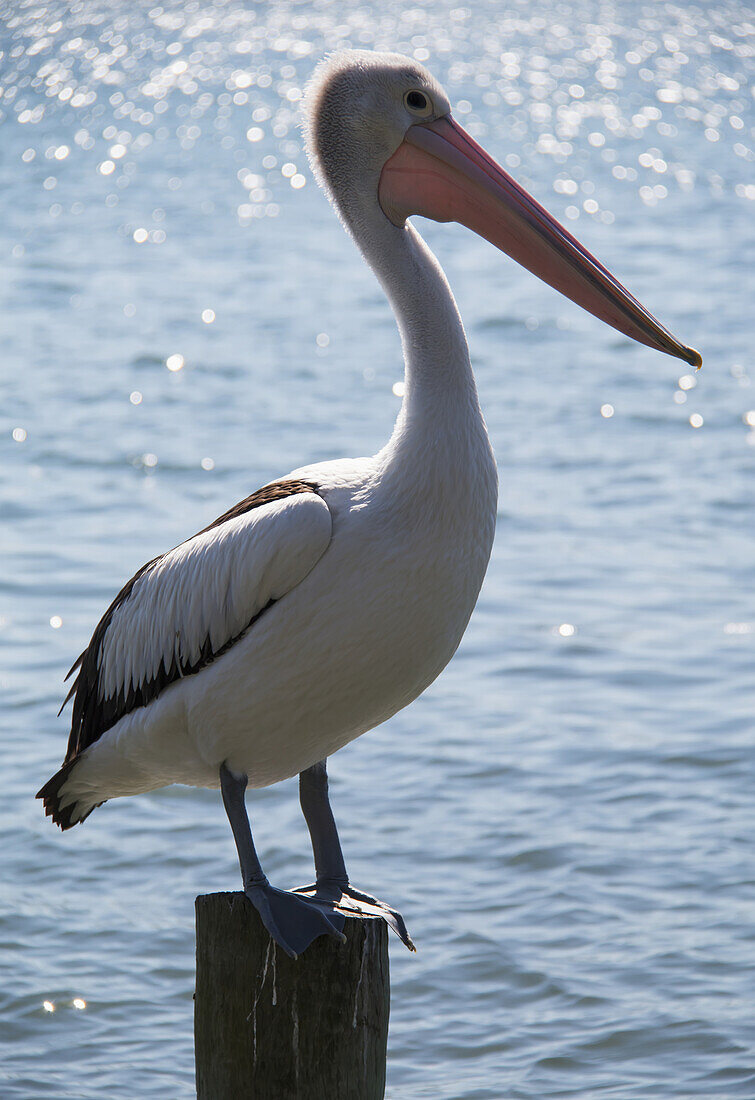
[[566, 817]]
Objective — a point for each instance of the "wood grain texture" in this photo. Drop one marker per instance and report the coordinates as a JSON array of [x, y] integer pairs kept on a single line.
[[271, 1028]]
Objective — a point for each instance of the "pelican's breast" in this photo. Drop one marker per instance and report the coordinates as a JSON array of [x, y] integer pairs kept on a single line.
[[365, 632]]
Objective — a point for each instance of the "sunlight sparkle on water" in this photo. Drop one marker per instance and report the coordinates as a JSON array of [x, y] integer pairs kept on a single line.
[[738, 628], [181, 119]]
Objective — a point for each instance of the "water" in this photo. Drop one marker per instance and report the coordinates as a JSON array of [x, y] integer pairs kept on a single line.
[[565, 818]]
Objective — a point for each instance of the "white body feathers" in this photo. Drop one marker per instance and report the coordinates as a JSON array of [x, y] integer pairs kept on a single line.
[[365, 619], [374, 578]]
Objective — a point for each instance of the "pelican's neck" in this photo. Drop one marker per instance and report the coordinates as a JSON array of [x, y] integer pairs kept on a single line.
[[439, 449], [439, 457], [439, 384]]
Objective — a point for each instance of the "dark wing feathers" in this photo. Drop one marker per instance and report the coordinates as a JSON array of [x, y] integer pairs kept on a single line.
[[50, 795], [93, 714], [277, 490]]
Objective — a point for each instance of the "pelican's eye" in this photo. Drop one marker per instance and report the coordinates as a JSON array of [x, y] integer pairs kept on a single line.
[[417, 103]]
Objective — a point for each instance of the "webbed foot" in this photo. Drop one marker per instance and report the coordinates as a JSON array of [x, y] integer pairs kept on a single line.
[[350, 902], [292, 921]]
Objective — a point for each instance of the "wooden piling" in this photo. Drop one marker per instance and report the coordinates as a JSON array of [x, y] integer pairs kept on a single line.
[[270, 1028]]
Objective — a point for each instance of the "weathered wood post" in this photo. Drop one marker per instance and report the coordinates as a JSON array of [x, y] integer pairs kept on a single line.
[[270, 1028]]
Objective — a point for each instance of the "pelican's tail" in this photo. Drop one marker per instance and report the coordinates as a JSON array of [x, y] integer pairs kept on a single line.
[[65, 810]]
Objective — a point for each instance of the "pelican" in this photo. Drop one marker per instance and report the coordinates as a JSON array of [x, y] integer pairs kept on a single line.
[[329, 599]]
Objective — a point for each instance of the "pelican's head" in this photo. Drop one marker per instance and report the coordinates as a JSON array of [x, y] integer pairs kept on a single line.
[[358, 108], [378, 129]]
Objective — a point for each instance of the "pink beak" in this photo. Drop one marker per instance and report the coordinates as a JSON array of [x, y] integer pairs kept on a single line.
[[440, 172]]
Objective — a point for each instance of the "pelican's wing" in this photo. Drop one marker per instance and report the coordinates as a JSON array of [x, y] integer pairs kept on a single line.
[[185, 608]]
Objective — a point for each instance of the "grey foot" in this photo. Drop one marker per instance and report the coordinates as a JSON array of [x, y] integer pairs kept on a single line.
[[293, 922], [353, 903]]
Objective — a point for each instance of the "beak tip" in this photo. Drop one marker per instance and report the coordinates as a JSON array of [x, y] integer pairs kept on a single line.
[[694, 358]]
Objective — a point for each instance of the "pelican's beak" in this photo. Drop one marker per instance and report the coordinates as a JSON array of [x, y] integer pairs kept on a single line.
[[440, 172]]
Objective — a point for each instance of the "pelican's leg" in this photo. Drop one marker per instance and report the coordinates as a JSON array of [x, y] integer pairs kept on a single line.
[[292, 921], [333, 887]]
